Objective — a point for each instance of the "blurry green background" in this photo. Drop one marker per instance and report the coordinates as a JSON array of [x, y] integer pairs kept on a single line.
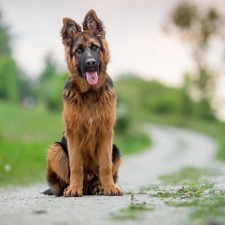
[[30, 109]]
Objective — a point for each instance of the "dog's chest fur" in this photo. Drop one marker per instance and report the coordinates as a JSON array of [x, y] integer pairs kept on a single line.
[[89, 109]]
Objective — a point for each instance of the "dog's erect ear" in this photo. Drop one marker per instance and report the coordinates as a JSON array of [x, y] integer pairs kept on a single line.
[[93, 23], [70, 27]]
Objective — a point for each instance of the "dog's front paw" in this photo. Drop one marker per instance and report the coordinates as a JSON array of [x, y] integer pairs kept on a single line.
[[112, 190], [71, 191], [97, 190]]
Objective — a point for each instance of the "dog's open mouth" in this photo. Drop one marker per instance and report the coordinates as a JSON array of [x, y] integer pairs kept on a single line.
[[92, 77]]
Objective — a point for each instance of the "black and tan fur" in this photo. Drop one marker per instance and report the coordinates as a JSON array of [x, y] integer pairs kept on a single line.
[[85, 161]]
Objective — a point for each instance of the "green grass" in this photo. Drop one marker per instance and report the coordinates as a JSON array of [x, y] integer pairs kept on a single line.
[[193, 183], [187, 176], [132, 212], [25, 135], [210, 206], [189, 188], [195, 191], [133, 141]]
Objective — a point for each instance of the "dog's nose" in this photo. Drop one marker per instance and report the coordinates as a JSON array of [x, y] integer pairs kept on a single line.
[[90, 62]]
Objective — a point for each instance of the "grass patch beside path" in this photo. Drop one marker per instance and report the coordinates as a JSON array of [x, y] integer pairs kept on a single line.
[[190, 188], [187, 176], [210, 207], [25, 135], [132, 212]]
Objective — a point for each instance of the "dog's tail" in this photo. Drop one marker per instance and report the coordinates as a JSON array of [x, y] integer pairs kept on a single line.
[[47, 192]]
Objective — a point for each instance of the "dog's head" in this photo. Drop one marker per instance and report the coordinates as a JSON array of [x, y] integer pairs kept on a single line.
[[86, 50]]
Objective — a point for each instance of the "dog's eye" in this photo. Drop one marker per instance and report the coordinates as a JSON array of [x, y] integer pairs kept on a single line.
[[79, 51], [94, 48]]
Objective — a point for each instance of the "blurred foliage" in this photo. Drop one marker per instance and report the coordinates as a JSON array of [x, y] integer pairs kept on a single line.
[[9, 80], [49, 86], [196, 24], [5, 38], [14, 84], [184, 14], [199, 26], [123, 120], [143, 97]]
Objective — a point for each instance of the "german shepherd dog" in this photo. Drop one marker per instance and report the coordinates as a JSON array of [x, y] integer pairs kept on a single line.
[[85, 161]]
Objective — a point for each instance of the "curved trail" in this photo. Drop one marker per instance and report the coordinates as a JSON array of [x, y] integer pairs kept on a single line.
[[172, 150]]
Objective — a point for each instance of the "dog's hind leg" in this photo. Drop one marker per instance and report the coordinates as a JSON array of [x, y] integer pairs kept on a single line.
[[116, 160], [58, 171]]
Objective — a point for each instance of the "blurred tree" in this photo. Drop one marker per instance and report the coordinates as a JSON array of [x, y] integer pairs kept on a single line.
[[50, 69], [186, 103], [4, 38], [198, 28], [14, 85], [8, 67], [9, 80], [123, 117], [49, 86], [142, 98]]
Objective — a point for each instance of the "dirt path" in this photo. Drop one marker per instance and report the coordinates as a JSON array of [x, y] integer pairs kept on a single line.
[[172, 150]]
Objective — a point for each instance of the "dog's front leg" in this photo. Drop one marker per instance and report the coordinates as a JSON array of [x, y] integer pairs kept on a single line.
[[75, 187], [105, 167]]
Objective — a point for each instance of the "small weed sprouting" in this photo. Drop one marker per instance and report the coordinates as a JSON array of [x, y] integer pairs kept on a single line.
[[144, 190]]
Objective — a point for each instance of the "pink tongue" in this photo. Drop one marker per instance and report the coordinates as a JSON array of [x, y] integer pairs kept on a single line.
[[92, 77]]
